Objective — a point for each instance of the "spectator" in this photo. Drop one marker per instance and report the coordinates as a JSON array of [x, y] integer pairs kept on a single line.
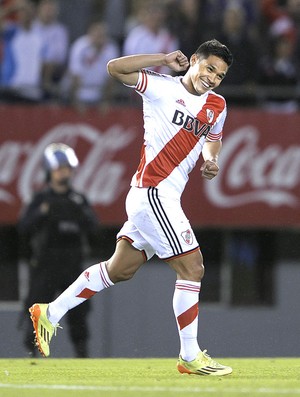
[[213, 11], [76, 14], [21, 63], [7, 10], [116, 20], [278, 69], [55, 45], [151, 34], [234, 34], [279, 19], [293, 10], [188, 18], [276, 16], [87, 82], [55, 224]]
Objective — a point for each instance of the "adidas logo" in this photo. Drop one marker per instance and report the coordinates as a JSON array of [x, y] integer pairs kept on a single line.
[[181, 102]]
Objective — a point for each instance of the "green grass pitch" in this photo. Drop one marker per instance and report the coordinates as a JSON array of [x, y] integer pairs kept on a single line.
[[145, 378]]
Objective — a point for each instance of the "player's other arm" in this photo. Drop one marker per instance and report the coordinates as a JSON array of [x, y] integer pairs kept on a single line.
[[210, 153], [125, 69]]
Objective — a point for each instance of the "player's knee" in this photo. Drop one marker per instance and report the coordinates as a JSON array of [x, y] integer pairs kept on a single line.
[[125, 275], [196, 272], [201, 271], [192, 272], [119, 273]]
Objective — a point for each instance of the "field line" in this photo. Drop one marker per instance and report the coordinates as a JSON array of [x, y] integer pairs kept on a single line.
[[158, 389]]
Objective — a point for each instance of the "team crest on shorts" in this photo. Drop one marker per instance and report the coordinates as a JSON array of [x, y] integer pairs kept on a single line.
[[187, 236]]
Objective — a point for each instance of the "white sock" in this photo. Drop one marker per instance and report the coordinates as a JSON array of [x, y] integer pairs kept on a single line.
[[92, 280], [185, 305]]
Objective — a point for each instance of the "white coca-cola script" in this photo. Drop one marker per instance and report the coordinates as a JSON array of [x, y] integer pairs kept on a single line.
[[250, 174], [100, 176]]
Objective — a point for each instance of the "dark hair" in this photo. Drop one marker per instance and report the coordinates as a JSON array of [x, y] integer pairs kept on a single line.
[[214, 47]]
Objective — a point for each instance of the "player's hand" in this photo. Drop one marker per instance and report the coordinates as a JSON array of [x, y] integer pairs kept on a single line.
[[177, 61], [209, 169]]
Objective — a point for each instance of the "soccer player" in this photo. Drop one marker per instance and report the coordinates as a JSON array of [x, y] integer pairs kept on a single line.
[[183, 118]]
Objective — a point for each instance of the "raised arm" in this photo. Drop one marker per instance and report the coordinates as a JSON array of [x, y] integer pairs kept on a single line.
[[125, 69]]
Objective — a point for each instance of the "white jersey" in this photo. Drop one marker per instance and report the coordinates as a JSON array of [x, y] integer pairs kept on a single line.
[[55, 41], [176, 125], [89, 64], [26, 47], [141, 40]]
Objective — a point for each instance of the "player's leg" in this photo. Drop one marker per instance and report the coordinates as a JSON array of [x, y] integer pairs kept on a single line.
[[125, 261], [45, 317], [163, 224], [192, 360], [189, 270], [165, 227], [120, 267]]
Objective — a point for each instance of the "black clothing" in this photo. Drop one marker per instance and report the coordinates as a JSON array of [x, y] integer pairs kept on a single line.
[[56, 238]]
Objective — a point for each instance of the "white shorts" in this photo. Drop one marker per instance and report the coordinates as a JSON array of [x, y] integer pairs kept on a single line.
[[157, 224]]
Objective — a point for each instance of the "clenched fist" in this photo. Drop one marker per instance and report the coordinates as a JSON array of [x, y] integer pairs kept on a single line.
[[209, 169]]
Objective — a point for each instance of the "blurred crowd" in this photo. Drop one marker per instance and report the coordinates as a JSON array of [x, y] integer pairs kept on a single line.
[[57, 50]]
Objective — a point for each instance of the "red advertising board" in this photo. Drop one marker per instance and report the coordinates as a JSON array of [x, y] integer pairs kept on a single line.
[[258, 184]]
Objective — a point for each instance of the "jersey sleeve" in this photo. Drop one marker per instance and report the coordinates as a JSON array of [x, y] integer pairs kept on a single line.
[[150, 84], [216, 133], [214, 114]]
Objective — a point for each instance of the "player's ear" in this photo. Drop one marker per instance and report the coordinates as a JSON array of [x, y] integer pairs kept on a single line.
[[193, 60]]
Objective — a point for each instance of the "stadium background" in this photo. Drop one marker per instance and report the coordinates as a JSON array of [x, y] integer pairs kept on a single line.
[[247, 223]]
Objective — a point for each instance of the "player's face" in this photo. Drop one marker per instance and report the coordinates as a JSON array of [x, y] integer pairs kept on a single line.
[[206, 74]]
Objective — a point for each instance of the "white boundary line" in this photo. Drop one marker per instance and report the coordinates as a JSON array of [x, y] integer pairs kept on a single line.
[[158, 389]]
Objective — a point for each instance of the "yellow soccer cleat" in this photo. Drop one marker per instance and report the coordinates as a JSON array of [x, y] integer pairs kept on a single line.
[[202, 365], [43, 329]]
